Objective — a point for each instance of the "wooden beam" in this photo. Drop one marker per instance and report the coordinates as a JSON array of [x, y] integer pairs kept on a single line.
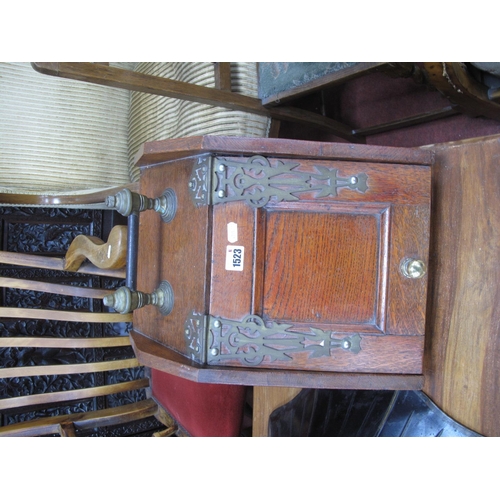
[[223, 76], [139, 82]]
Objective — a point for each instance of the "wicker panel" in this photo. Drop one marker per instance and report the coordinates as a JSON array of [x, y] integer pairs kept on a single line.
[[58, 134], [155, 117]]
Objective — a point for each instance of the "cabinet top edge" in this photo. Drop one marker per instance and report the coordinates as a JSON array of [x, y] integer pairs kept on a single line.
[[171, 149]]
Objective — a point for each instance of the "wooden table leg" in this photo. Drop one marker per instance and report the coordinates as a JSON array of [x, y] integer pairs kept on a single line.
[[265, 401]]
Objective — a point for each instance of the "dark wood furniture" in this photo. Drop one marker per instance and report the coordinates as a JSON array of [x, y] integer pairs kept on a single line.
[[461, 368], [321, 299], [284, 84]]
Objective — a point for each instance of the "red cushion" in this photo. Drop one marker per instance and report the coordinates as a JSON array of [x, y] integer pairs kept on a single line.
[[203, 410]]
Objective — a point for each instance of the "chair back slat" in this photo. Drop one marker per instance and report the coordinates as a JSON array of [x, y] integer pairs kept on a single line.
[[49, 314], [57, 288], [64, 343], [84, 421], [64, 396], [38, 371], [54, 263]]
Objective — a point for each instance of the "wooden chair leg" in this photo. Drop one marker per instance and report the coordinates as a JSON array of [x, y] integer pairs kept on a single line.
[[274, 129], [265, 401]]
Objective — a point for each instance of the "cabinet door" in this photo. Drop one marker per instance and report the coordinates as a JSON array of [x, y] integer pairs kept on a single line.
[[333, 270]]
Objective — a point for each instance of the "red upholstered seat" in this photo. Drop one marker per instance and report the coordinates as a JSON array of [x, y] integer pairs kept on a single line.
[[203, 410]]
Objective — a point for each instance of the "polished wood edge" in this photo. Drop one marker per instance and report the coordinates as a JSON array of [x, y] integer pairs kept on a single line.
[[440, 146], [160, 357], [111, 254], [156, 152], [64, 199]]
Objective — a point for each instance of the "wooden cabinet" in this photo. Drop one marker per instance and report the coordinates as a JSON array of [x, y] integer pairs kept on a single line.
[[295, 258]]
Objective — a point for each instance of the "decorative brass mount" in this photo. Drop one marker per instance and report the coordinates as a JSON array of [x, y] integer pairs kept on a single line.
[[214, 340], [125, 300], [257, 181], [127, 202]]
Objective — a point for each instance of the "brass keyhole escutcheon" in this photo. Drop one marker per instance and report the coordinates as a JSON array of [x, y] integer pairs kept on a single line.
[[413, 268]]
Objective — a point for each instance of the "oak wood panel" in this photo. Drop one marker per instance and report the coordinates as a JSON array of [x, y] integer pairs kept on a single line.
[[402, 184], [231, 292], [151, 153], [462, 361], [370, 217], [378, 354], [325, 274], [177, 251], [406, 304], [160, 357]]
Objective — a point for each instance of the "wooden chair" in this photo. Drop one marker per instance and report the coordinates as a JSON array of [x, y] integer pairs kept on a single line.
[[76, 353], [284, 84]]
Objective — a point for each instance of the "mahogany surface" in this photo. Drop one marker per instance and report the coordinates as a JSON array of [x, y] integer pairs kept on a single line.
[[329, 263]]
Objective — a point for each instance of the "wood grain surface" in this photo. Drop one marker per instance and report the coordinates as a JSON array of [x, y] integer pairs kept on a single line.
[[265, 401], [328, 260], [151, 153], [462, 361], [321, 256], [177, 252]]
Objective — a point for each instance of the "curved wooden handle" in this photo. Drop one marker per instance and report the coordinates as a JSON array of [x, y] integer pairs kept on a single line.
[[109, 255]]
